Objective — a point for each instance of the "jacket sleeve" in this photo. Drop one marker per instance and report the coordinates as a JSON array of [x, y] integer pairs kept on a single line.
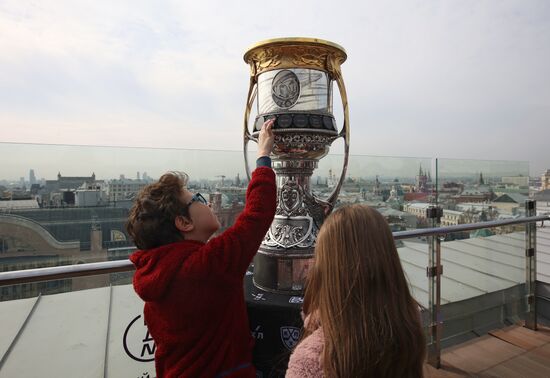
[[233, 250]]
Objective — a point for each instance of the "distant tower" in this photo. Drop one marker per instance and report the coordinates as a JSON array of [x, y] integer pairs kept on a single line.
[[237, 180], [137, 175], [32, 177], [421, 180], [481, 180], [96, 239], [545, 180], [216, 202], [376, 190], [331, 181], [393, 194]]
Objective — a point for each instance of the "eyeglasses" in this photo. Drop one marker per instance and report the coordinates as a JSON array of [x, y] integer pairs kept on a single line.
[[197, 197]]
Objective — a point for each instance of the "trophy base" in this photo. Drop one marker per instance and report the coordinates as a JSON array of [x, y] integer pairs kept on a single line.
[[281, 273]]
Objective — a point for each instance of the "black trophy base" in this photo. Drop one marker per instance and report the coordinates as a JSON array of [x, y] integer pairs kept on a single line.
[[275, 323]]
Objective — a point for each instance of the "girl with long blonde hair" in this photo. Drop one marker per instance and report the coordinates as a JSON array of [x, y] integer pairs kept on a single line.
[[360, 317]]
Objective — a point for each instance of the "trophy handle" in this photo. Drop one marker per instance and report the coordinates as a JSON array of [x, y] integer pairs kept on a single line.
[[252, 88], [330, 202]]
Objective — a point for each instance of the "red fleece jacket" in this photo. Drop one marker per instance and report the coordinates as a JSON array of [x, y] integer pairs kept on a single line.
[[193, 292]]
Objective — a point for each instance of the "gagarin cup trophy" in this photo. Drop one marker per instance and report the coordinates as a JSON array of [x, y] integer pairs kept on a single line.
[[292, 79]]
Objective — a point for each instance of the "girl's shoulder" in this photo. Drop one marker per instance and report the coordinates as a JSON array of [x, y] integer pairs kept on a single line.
[[306, 360]]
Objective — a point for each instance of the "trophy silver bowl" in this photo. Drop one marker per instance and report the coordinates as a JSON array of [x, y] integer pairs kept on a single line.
[[292, 80]]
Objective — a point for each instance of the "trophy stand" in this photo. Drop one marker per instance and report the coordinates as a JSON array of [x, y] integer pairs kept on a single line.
[[292, 80]]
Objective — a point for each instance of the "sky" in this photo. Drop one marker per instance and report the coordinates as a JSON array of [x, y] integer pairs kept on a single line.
[[448, 79]]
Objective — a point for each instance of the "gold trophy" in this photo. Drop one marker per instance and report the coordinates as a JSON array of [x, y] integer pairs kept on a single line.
[[292, 79]]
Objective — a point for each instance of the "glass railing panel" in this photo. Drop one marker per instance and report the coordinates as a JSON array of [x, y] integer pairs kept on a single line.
[[92, 332], [483, 281], [413, 256], [389, 184], [73, 206], [464, 185]]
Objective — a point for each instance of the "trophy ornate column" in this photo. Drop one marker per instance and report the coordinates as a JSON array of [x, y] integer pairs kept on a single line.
[[292, 79]]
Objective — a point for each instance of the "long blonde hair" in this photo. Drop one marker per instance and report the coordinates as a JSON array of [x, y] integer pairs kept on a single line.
[[370, 321]]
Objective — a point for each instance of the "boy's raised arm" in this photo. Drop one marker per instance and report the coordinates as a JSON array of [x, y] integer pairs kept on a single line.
[[233, 250]]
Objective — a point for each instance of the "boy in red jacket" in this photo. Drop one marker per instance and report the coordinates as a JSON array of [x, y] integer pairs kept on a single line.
[[192, 286]]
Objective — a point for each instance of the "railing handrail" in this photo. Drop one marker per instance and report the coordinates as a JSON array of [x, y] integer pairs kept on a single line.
[[466, 227], [105, 267], [63, 272]]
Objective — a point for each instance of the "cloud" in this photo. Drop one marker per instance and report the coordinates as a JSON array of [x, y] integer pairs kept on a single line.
[[427, 78]]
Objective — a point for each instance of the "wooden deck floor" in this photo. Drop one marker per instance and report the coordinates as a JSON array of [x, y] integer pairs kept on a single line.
[[511, 352]]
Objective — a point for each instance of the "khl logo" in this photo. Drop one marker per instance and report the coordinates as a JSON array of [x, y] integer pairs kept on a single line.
[[290, 336]]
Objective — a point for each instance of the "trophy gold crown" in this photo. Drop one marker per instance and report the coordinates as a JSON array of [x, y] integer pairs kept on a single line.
[[282, 53]]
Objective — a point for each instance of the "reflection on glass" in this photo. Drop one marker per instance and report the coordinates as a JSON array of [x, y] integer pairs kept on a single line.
[[473, 191], [62, 205], [483, 280]]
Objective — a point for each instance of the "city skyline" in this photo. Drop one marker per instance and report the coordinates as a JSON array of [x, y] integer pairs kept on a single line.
[[111, 162]]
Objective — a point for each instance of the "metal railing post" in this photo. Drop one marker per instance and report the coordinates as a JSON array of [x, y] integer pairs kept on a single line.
[[434, 272], [531, 265]]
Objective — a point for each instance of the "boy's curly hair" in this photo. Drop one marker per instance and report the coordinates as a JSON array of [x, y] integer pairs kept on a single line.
[[151, 219]]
